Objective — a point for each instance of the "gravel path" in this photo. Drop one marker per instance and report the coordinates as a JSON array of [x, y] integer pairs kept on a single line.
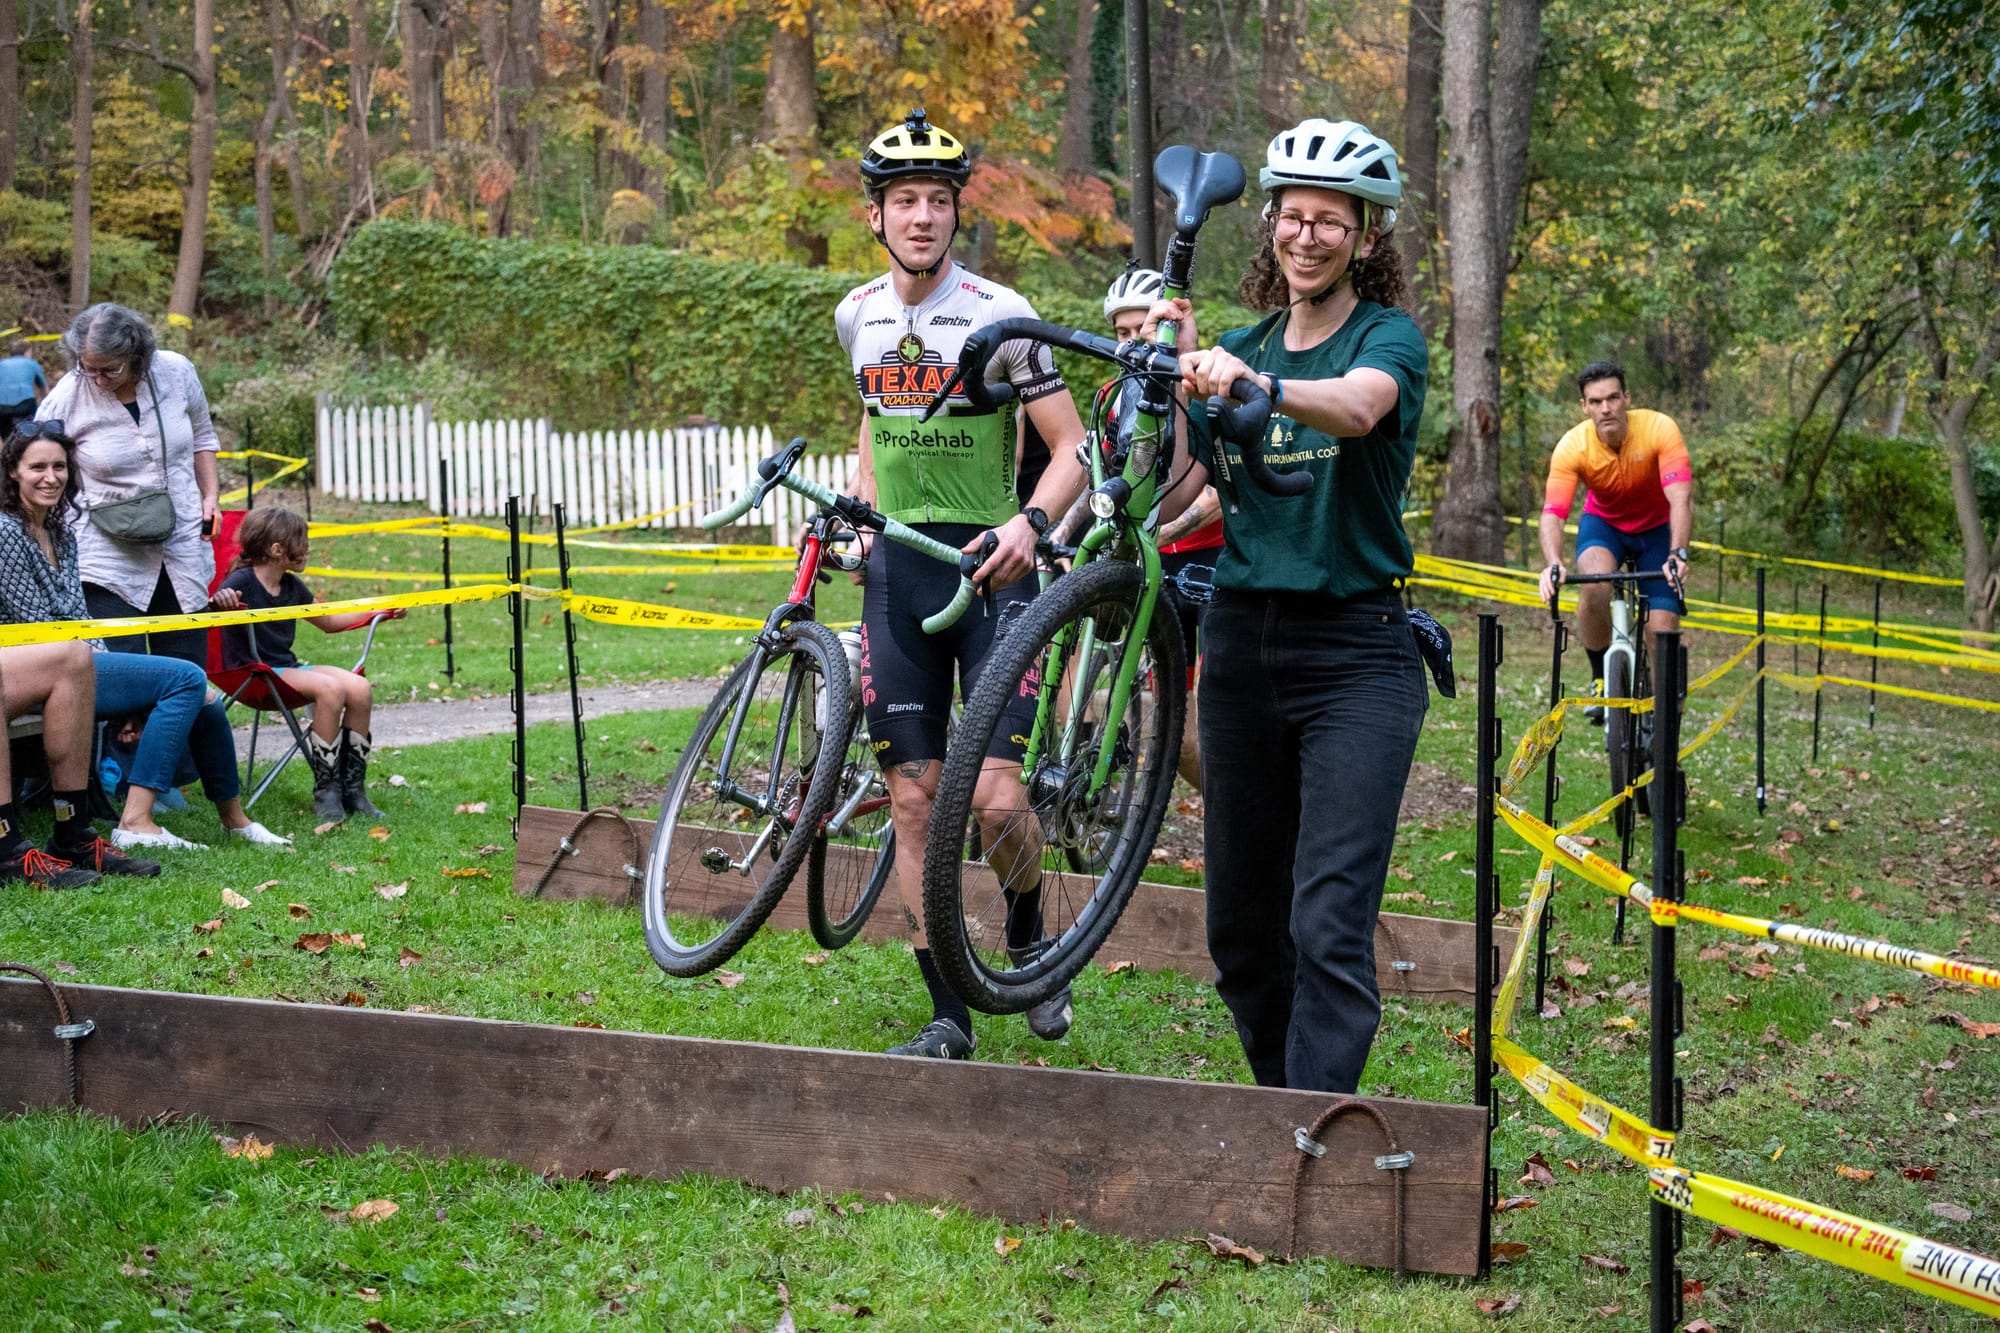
[[426, 721]]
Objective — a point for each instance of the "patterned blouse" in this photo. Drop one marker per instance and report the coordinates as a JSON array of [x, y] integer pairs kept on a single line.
[[115, 459], [33, 591]]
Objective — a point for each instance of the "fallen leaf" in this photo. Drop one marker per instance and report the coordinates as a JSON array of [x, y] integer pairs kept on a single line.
[[814, 959], [1714, 953], [315, 943], [299, 911], [1697, 1326], [1448, 856], [1853, 1172], [487, 849], [1754, 881], [250, 1148], [376, 1326], [799, 1217], [1122, 965], [340, 869], [398, 780], [1506, 1251], [1224, 1248], [1722, 1235], [1576, 967], [367, 1294], [1608, 1265], [351, 941], [1621, 1021], [374, 1210], [1513, 1201], [1499, 1309], [231, 898], [204, 953], [130, 1269], [1691, 1290], [1952, 1212], [1004, 1245], [1073, 1274], [1920, 1173], [728, 980], [469, 873], [1537, 1172], [64, 967], [354, 999], [1979, 1030], [379, 833], [328, 827], [471, 808], [210, 927], [406, 955], [785, 1324], [1605, 1311], [393, 891]]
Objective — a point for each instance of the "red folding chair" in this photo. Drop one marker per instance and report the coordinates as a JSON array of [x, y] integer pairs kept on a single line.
[[259, 687]]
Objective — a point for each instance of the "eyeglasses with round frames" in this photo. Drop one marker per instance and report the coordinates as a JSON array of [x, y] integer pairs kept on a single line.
[[1330, 232], [104, 374]]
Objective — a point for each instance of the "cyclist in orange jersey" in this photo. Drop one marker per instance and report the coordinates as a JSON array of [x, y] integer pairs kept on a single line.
[[1639, 508]]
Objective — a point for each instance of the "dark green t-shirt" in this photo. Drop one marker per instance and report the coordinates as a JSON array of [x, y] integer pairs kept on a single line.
[[1345, 536]]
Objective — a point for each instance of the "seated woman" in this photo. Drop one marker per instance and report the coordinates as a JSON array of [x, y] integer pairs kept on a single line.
[[42, 582]]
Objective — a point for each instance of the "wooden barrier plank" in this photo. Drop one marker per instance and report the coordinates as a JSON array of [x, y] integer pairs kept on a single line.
[[1164, 928], [1150, 1158]]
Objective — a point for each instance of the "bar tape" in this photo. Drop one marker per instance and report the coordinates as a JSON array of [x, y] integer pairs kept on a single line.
[[1944, 1271]]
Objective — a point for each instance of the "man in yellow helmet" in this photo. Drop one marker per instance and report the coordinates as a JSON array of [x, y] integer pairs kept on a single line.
[[952, 478]]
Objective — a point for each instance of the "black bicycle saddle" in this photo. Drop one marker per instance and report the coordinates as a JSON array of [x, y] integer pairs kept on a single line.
[[1197, 182]]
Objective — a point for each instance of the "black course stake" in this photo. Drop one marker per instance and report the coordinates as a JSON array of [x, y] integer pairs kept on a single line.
[[569, 647], [1819, 668], [1486, 893], [1760, 689], [1668, 670], [1875, 663], [517, 607], [444, 509], [1551, 787]]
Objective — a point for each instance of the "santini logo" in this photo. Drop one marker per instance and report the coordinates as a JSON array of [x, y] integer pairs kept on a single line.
[[950, 322]]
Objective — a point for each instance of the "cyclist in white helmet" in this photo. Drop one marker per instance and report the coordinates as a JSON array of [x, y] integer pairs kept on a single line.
[[1191, 539], [1312, 690]]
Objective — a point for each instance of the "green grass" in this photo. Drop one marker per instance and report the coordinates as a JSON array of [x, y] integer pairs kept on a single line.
[[1774, 1061]]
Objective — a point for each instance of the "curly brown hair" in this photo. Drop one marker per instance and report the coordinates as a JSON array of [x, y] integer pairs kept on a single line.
[[264, 530], [16, 447], [1378, 278]]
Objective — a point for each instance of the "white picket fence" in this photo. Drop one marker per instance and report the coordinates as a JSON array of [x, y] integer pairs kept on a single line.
[[391, 454]]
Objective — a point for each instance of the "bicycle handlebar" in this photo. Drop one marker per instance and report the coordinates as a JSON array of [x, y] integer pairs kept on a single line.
[[777, 471], [1617, 576], [1244, 427]]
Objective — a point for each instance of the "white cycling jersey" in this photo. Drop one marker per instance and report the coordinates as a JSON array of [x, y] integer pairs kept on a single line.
[[958, 467]]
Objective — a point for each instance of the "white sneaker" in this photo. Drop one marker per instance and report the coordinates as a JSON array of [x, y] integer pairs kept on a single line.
[[125, 839], [256, 833]]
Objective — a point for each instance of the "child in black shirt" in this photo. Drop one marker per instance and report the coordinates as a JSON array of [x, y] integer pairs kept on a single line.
[[274, 546]]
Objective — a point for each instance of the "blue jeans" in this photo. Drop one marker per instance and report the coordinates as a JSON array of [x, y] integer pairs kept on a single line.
[[1310, 710], [176, 691]]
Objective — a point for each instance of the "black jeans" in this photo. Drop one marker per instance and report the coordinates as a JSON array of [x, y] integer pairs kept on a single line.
[[190, 645], [1310, 710]]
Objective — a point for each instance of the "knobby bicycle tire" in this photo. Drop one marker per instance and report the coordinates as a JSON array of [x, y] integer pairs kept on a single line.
[[967, 929], [1620, 727], [803, 682], [840, 895]]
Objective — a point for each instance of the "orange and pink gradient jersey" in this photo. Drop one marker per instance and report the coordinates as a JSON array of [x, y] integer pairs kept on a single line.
[[1626, 488]]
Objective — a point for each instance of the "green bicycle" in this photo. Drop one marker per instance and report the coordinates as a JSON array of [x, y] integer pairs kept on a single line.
[[1111, 688]]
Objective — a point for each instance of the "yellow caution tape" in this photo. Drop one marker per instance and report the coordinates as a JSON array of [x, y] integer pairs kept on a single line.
[[1569, 852], [1763, 558], [1713, 674], [423, 526], [391, 576], [1667, 913], [1585, 1112], [1927, 657], [1882, 1252], [1808, 684], [1535, 745], [291, 465], [62, 631], [616, 611], [678, 571], [644, 519], [1525, 942], [179, 322]]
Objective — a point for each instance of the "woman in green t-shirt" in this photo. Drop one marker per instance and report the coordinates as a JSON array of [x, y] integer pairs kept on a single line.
[[1312, 693]]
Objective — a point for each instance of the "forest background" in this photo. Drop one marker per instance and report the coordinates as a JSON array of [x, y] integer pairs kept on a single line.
[[620, 213]]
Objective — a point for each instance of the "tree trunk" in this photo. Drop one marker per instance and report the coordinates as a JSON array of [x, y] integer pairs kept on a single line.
[[653, 100], [496, 188], [525, 48], [423, 71], [267, 223], [360, 181], [284, 39], [10, 91], [1416, 231], [1468, 523], [1517, 60], [790, 121], [1283, 25], [1107, 80], [1952, 416], [1073, 138], [80, 128], [201, 169]]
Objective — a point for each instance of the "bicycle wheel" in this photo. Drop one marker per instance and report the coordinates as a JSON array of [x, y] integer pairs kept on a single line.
[[724, 848], [1620, 737], [1054, 809], [854, 851]]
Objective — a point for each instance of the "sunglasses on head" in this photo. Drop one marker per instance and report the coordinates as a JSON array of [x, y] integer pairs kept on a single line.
[[50, 430]]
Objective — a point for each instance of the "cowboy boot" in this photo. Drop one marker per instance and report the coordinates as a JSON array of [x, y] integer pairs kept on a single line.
[[324, 756], [354, 751]]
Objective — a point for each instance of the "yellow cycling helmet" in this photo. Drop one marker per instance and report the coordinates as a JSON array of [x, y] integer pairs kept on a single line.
[[915, 148]]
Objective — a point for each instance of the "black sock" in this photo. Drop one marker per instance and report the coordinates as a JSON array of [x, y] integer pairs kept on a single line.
[[1596, 656], [73, 826], [11, 841], [1024, 917], [944, 1001]]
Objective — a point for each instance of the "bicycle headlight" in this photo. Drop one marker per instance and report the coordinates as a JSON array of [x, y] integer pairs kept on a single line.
[[1102, 505]]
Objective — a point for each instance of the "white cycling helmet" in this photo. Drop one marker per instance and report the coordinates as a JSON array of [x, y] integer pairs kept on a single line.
[[1134, 289], [1335, 155]]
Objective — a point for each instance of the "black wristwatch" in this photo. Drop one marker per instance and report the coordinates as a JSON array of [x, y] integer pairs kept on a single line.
[[1682, 554], [1037, 519]]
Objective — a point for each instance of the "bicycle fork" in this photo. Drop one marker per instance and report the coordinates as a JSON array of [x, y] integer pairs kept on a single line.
[[714, 859]]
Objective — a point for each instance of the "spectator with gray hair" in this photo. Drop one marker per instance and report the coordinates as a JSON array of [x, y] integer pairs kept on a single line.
[[145, 458]]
